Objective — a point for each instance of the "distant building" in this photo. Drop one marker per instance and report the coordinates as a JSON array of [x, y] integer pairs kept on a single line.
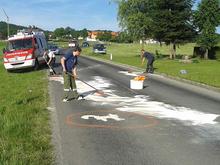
[[92, 35], [115, 34], [149, 41], [90, 39], [80, 38]]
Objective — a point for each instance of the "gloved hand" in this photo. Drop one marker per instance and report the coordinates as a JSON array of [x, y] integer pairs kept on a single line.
[[75, 77]]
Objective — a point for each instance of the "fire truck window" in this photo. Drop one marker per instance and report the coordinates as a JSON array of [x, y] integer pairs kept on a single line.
[[20, 44], [28, 43]]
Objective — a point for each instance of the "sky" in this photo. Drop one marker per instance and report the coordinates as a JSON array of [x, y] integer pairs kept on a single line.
[[52, 14]]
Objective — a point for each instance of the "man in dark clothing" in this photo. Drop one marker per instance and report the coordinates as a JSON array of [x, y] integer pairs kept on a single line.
[[69, 63], [150, 60]]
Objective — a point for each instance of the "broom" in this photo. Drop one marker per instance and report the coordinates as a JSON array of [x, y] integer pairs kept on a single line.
[[97, 90], [54, 72]]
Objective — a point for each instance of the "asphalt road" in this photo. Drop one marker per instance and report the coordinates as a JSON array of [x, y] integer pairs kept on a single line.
[[166, 123]]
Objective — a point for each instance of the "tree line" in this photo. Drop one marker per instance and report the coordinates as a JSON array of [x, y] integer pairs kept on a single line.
[[103, 35], [63, 33], [69, 33], [13, 29]]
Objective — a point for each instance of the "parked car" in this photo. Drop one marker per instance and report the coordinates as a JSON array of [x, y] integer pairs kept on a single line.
[[73, 43], [85, 44], [99, 48], [54, 48]]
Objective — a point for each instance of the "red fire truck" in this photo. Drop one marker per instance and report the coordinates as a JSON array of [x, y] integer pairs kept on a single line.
[[24, 50]]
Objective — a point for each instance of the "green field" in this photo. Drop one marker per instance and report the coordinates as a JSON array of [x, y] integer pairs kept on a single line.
[[203, 71], [25, 134]]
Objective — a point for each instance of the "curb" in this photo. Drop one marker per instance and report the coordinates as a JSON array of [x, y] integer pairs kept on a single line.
[[163, 75]]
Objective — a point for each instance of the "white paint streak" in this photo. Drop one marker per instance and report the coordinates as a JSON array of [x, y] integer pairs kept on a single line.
[[103, 118]]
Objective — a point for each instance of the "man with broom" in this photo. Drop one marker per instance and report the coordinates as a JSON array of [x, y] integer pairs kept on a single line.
[[50, 59], [51, 62], [69, 63]]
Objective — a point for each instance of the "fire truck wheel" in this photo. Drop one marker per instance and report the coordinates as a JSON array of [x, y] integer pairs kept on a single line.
[[36, 66]]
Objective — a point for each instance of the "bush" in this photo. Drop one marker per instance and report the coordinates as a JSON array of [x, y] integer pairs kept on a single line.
[[214, 53], [158, 55]]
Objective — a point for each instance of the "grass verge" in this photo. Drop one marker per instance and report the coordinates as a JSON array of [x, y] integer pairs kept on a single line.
[[25, 134]]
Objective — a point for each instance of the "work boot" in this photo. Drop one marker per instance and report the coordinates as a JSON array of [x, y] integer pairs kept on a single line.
[[79, 97], [65, 100]]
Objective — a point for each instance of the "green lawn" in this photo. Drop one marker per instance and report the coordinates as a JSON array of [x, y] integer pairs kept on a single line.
[[61, 44], [25, 134], [205, 71]]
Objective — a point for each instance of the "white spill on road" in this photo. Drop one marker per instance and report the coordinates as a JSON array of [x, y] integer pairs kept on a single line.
[[89, 67], [143, 104], [103, 118], [130, 74]]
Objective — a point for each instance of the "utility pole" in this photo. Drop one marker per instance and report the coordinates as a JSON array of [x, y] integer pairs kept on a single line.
[[7, 21]]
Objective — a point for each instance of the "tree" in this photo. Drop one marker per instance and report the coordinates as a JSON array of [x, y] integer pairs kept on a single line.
[[84, 33], [134, 17], [124, 37], [47, 34], [207, 18], [104, 36], [59, 32], [172, 22], [68, 31], [74, 33], [168, 21]]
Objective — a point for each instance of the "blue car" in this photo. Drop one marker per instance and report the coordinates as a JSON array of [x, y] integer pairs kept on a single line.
[[99, 48]]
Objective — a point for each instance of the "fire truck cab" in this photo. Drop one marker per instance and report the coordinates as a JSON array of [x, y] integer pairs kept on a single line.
[[25, 50]]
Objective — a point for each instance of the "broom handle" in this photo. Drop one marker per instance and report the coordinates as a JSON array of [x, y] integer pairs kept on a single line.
[[49, 65], [83, 81]]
